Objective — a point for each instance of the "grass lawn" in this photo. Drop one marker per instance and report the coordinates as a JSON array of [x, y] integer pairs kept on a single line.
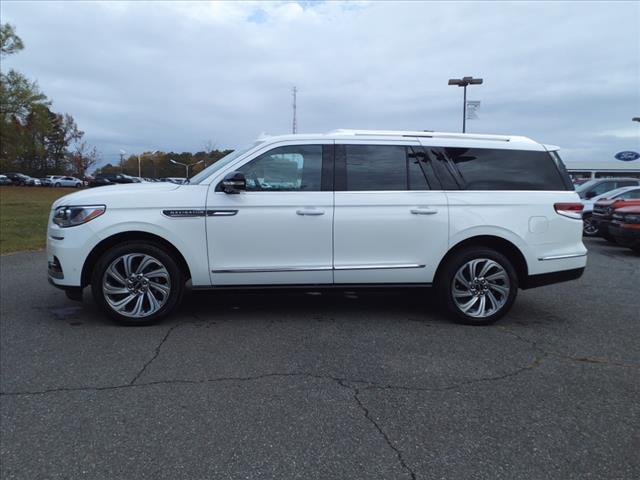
[[24, 212]]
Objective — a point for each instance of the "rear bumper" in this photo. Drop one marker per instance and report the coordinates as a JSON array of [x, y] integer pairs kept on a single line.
[[543, 279]]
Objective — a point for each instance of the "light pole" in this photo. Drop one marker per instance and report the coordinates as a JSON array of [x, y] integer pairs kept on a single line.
[[139, 171], [186, 165], [463, 82], [122, 152]]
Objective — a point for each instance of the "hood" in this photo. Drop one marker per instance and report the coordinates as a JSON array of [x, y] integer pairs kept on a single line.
[[626, 203], [119, 193], [629, 209]]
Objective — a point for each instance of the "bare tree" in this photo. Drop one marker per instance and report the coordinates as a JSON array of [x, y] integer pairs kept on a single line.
[[83, 158]]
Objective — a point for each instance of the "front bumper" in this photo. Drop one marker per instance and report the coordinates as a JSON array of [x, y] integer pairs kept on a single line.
[[602, 223], [625, 236]]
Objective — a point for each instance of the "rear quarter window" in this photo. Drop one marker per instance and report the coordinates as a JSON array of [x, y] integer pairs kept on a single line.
[[502, 169]]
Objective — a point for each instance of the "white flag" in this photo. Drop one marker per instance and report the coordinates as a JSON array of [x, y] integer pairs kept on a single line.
[[472, 109]]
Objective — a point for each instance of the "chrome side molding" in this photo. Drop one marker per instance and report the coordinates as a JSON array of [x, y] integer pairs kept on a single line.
[[318, 268], [561, 257], [379, 266]]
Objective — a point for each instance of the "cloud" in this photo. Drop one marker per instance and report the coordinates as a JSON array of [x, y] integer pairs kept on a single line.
[[169, 76]]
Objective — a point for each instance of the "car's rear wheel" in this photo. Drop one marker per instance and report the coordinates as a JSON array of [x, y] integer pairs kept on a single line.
[[137, 283], [57, 184], [477, 285], [589, 228]]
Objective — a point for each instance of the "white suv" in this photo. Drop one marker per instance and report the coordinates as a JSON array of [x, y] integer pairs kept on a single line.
[[475, 216]]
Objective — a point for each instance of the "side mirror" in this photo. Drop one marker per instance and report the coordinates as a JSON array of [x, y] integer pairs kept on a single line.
[[233, 182]]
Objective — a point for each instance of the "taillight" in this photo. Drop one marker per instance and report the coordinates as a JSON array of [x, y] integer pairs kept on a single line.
[[571, 210]]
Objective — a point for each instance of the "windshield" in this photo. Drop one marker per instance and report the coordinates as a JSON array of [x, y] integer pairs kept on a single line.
[[224, 161], [611, 194], [585, 186]]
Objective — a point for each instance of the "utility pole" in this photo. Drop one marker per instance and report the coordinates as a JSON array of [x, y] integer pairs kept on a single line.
[[295, 121]]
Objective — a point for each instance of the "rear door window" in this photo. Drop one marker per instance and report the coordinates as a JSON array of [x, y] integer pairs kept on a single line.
[[502, 169], [380, 168]]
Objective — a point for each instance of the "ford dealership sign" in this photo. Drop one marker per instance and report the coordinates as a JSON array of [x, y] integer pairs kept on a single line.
[[627, 156]]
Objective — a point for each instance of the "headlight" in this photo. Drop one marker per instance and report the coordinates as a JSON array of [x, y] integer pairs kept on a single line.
[[72, 216]]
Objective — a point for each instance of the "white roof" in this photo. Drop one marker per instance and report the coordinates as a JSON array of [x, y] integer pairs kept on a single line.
[[346, 133]]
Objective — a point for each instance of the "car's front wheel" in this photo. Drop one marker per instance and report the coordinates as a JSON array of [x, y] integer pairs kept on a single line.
[[57, 185], [477, 286], [137, 283]]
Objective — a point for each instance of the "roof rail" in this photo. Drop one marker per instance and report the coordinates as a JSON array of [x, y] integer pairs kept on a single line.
[[429, 134]]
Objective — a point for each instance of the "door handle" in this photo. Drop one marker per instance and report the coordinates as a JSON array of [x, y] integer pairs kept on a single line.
[[310, 211], [424, 211]]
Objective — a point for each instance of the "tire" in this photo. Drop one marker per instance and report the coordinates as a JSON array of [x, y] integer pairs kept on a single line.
[[57, 185], [499, 292], [78, 185], [111, 287], [589, 229]]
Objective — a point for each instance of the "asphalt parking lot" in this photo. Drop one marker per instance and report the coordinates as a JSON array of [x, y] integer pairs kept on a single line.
[[324, 386]]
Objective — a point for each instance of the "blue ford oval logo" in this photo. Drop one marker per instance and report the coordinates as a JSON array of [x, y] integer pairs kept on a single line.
[[627, 156]]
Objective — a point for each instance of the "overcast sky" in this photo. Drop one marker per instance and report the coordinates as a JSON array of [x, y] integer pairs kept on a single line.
[[171, 76]]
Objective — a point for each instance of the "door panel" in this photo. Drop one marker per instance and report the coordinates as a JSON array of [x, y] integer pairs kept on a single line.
[[379, 239], [276, 232]]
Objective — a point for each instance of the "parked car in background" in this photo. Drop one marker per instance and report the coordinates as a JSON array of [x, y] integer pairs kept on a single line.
[[603, 214], [53, 178], [67, 182], [176, 180], [625, 227], [45, 181], [22, 180], [103, 179], [4, 180], [598, 186], [624, 193], [475, 216]]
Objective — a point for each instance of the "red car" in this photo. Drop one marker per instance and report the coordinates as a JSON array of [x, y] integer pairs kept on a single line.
[[625, 227], [603, 214]]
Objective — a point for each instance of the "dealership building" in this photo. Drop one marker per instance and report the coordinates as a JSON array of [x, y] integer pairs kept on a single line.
[[613, 168]]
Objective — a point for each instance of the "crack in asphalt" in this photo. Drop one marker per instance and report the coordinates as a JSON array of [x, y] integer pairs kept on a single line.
[[384, 435], [155, 354], [564, 356]]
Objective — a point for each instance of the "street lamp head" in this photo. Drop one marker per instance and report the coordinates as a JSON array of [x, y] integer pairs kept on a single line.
[[123, 151], [173, 161], [464, 81]]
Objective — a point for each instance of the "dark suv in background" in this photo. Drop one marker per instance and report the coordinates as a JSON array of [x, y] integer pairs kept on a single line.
[[111, 179]]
